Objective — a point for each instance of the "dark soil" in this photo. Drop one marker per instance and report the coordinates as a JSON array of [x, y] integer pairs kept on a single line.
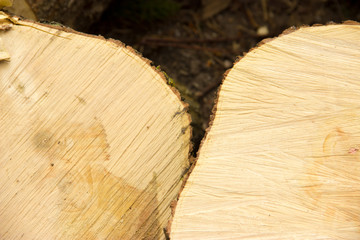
[[196, 52]]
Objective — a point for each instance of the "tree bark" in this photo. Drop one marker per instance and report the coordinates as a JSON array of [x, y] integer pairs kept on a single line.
[[281, 158], [93, 144]]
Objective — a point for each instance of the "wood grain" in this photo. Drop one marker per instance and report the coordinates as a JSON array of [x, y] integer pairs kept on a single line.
[[281, 160], [93, 142]]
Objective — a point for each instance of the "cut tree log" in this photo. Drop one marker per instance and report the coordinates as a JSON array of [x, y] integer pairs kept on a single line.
[[282, 157], [94, 143]]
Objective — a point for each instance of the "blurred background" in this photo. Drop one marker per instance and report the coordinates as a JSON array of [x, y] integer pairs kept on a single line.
[[194, 41]]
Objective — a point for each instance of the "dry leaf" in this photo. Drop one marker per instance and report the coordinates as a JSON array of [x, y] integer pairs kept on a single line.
[[213, 7], [6, 3]]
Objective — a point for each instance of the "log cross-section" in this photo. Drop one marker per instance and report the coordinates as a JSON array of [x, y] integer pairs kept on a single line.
[[282, 157], [93, 144]]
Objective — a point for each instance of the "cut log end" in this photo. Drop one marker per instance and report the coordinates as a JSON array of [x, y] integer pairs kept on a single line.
[[94, 143], [280, 160]]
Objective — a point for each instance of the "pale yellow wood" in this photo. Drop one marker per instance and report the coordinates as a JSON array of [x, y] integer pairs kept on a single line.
[[282, 158], [93, 142]]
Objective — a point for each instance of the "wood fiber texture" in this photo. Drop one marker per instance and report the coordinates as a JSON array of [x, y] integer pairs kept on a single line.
[[93, 142], [282, 157]]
